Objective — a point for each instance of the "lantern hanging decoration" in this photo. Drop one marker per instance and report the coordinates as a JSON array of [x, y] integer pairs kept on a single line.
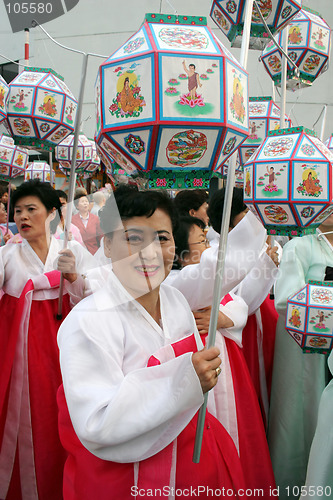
[[288, 182], [39, 170], [158, 109], [4, 90], [64, 153], [13, 159], [309, 42], [229, 17], [41, 109], [309, 318]]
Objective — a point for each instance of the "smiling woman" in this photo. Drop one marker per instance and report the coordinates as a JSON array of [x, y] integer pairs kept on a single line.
[[134, 371], [29, 358]]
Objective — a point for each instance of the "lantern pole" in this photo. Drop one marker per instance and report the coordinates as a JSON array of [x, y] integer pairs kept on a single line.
[[284, 78], [72, 176], [8, 204], [26, 46], [223, 240], [323, 123]]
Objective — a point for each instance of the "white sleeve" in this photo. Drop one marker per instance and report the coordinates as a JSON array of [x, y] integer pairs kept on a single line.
[[117, 416], [196, 281], [237, 311], [255, 287]]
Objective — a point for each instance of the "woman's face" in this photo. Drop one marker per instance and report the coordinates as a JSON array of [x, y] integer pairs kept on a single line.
[[83, 205], [197, 243], [4, 198], [142, 251], [3, 214], [32, 218]]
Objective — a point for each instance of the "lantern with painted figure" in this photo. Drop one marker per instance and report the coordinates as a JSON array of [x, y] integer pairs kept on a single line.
[[229, 17], [94, 164], [158, 109], [309, 42], [41, 109], [264, 116], [64, 153], [4, 90], [13, 159], [39, 170], [288, 182], [309, 318]]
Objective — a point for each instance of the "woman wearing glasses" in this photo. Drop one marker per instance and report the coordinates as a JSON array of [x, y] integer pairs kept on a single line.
[[234, 395]]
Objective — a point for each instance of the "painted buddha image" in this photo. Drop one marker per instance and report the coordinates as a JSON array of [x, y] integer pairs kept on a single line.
[[128, 102]]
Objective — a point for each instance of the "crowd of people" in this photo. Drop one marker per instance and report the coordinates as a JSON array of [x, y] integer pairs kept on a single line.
[[101, 401]]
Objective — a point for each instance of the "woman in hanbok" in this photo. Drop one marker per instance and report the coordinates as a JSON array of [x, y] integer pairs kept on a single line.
[[134, 372], [259, 332], [298, 378], [87, 223], [234, 395], [31, 456]]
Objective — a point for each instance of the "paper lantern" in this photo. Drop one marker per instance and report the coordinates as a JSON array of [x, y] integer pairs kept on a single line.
[[264, 116], [288, 182], [41, 109], [229, 17], [172, 98], [309, 318], [64, 153], [4, 90], [94, 164], [13, 159], [309, 42], [239, 172], [39, 170]]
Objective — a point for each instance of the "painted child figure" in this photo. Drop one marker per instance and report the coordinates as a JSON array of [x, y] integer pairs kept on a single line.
[[193, 79]]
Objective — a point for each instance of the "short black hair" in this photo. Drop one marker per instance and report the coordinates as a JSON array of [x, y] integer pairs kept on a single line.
[[215, 209], [44, 192], [190, 199], [62, 194], [192, 65], [181, 236], [134, 203]]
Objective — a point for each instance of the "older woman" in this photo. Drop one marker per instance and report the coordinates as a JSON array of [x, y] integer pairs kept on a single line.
[[87, 223], [134, 372], [31, 457]]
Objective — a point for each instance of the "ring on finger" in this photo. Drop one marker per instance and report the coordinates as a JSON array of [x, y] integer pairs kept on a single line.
[[218, 371]]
